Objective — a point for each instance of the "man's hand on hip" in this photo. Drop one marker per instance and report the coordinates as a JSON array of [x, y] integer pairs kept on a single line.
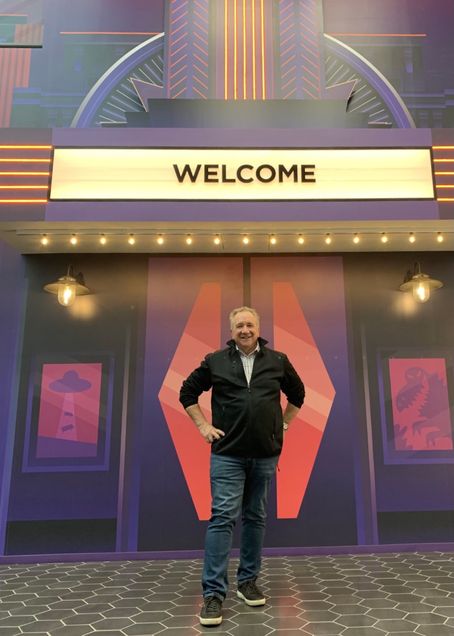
[[210, 433], [207, 431]]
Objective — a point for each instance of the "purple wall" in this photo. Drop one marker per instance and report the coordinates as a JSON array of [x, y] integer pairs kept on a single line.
[[140, 499]]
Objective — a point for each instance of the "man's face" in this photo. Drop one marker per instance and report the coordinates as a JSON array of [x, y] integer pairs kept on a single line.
[[245, 331]]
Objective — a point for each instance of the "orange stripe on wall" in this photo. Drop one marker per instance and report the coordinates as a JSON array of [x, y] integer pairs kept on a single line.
[[235, 50], [27, 201], [24, 187], [254, 79], [244, 52], [379, 35], [110, 32], [11, 160], [25, 174], [23, 147], [226, 51], [262, 37]]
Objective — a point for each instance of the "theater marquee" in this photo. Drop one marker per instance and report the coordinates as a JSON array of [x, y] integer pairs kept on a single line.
[[241, 174]]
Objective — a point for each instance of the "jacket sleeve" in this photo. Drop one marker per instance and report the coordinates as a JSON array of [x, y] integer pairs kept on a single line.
[[292, 385], [195, 384]]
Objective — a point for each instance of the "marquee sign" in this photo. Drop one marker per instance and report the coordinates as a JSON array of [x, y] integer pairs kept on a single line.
[[241, 174]]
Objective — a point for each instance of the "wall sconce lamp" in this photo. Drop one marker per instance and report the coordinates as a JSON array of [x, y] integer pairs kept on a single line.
[[421, 285], [68, 287]]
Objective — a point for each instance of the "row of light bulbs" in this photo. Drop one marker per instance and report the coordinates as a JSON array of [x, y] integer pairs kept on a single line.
[[245, 239]]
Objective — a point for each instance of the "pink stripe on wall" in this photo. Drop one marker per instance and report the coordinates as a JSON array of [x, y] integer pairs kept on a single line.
[[14, 72], [29, 34]]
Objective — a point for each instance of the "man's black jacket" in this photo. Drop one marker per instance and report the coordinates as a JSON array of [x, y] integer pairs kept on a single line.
[[251, 417]]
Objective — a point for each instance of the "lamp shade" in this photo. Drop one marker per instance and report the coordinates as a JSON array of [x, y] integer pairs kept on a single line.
[[67, 288], [420, 285]]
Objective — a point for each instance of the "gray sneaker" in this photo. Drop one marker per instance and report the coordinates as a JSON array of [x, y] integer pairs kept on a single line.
[[250, 594], [211, 612]]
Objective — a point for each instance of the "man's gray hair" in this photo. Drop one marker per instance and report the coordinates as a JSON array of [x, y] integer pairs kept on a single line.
[[237, 310]]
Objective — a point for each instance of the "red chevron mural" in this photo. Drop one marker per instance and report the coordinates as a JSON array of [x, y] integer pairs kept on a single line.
[[292, 335], [201, 335]]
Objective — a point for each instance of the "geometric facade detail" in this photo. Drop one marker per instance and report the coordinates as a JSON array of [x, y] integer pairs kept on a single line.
[[301, 50], [186, 49], [292, 335], [201, 335], [244, 49]]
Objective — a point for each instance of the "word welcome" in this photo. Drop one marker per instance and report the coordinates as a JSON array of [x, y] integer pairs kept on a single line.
[[245, 173]]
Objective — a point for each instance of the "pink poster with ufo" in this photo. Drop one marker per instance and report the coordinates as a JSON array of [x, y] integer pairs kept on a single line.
[[420, 404], [69, 410]]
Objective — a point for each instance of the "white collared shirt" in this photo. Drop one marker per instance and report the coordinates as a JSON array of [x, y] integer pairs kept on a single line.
[[247, 360]]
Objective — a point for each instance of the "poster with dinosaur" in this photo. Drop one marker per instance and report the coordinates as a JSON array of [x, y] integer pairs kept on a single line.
[[418, 409]]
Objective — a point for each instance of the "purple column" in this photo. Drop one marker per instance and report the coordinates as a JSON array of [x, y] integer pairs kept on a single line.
[[12, 288]]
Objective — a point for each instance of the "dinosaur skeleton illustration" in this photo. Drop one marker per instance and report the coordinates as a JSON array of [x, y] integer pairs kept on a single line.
[[424, 404]]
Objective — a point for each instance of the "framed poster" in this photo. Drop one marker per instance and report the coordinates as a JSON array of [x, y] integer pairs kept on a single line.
[[68, 422], [416, 401]]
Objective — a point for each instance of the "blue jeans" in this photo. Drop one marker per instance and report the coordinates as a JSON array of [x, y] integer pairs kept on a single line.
[[237, 484]]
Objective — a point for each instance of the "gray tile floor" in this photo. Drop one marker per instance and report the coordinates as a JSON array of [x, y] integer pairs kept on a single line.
[[349, 595]]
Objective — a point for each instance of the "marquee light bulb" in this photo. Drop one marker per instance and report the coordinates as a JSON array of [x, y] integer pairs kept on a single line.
[[102, 239], [73, 240], [440, 237], [328, 239], [160, 240], [189, 240], [356, 239], [273, 240], [412, 237], [384, 237], [301, 239], [217, 240], [44, 240], [246, 240], [131, 239]]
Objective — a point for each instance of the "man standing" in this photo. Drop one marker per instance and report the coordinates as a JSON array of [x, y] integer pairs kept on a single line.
[[246, 436]]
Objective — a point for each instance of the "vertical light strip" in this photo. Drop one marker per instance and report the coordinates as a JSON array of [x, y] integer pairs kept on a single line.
[[244, 52], [226, 52], [121, 539], [235, 50], [262, 26], [254, 88]]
